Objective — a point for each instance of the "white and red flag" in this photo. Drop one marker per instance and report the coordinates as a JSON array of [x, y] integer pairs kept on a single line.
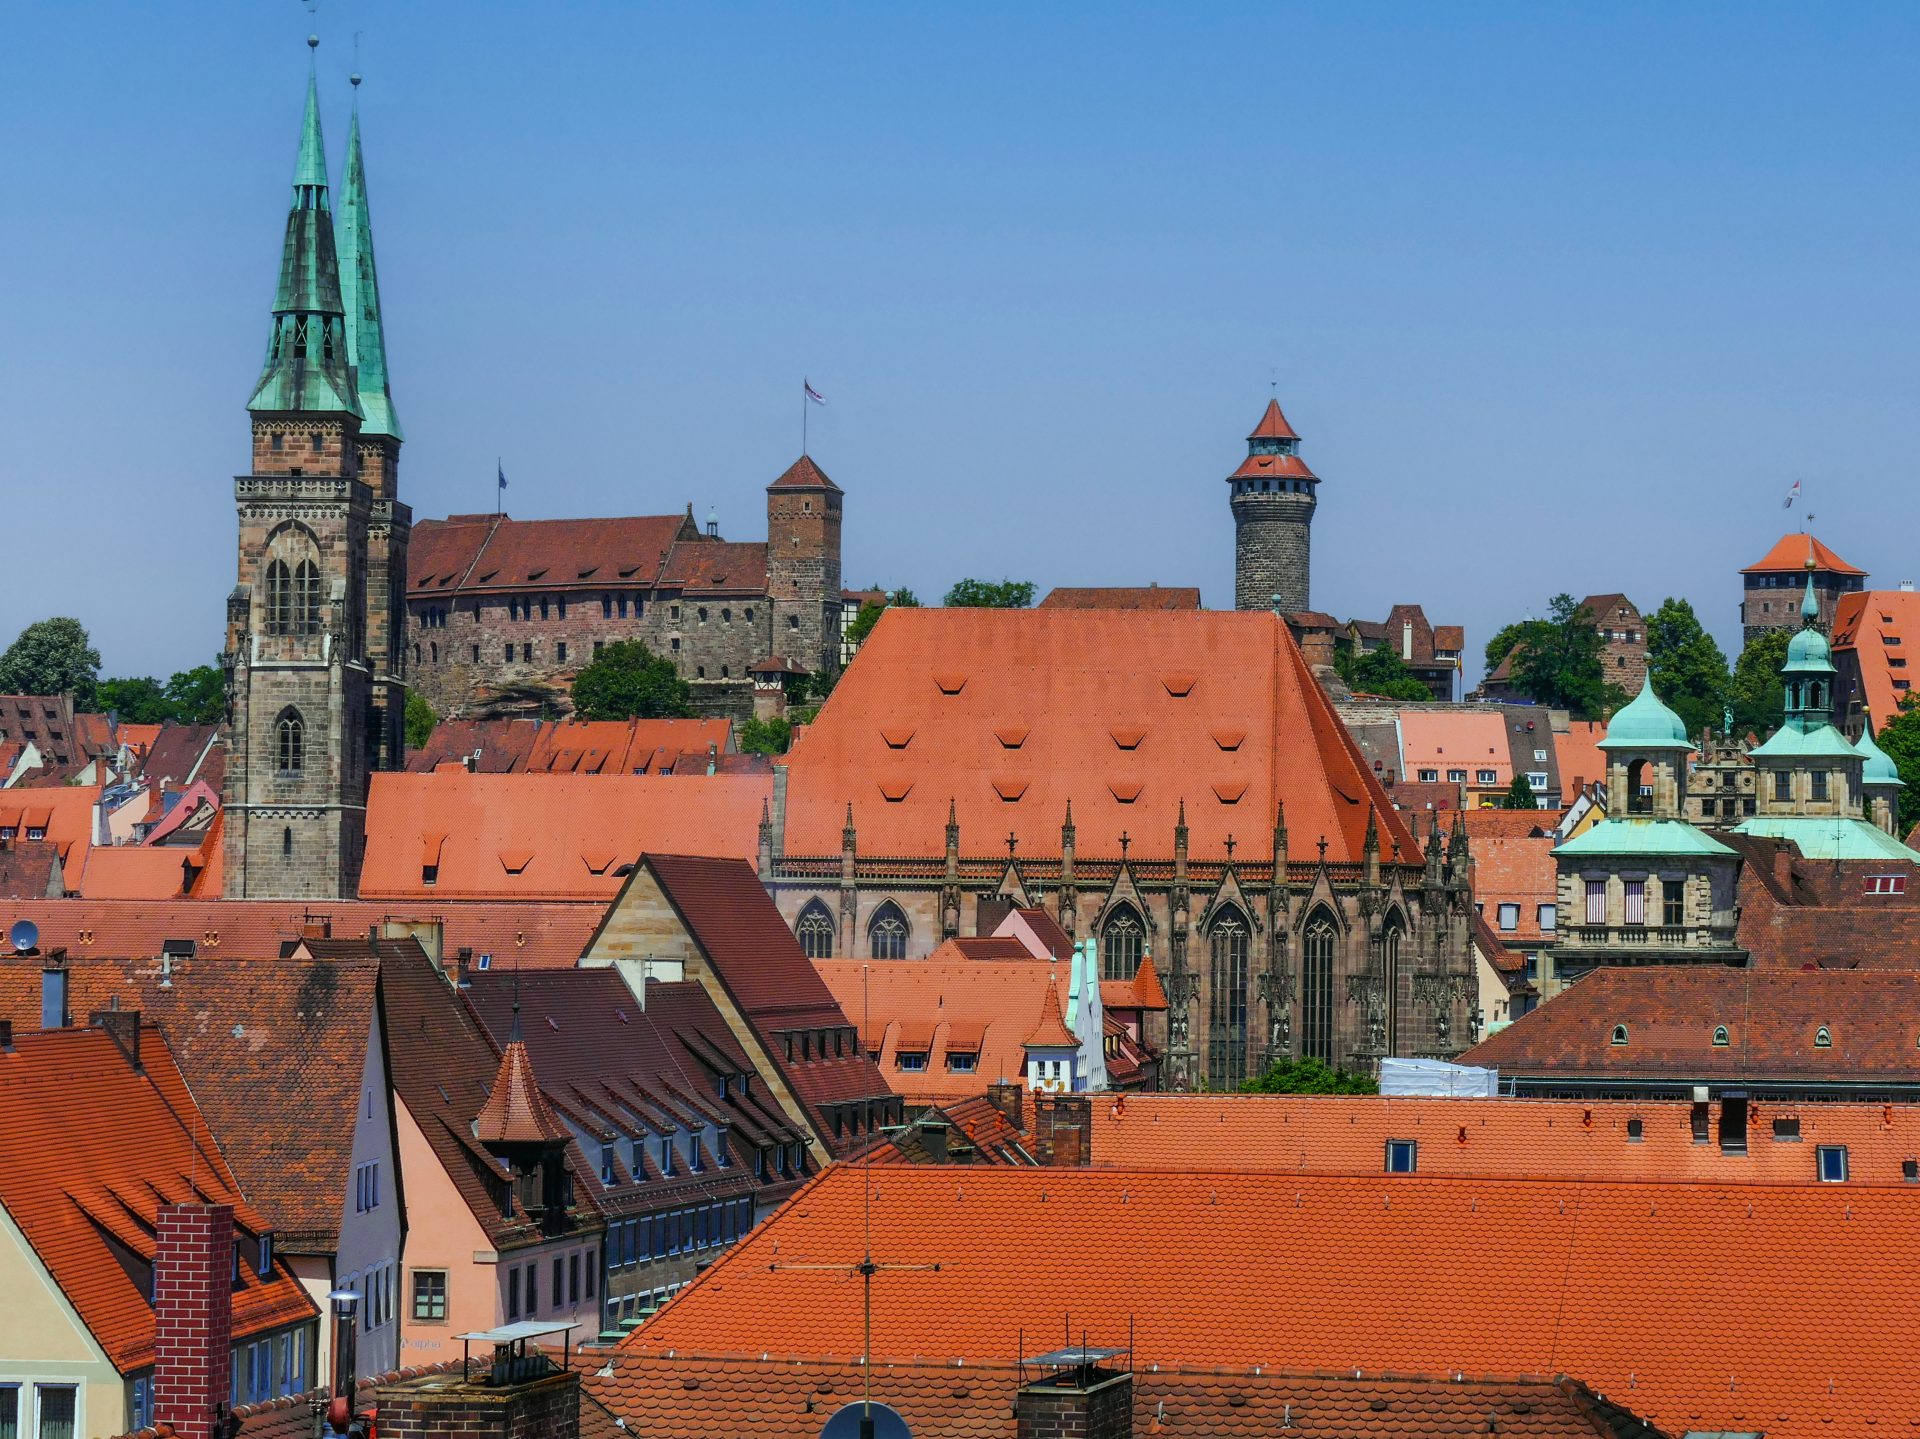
[[813, 394]]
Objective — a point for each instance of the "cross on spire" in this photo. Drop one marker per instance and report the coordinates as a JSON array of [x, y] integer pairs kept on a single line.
[[1323, 849], [1013, 843], [1125, 841], [1230, 848]]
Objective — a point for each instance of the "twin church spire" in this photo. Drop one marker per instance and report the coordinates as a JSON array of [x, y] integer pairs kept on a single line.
[[326, 351]]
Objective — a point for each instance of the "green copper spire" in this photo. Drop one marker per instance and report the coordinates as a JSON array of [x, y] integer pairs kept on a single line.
[[307, 367], [360, 290]]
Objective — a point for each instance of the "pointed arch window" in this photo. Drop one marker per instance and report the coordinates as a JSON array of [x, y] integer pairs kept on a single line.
[[1123, 942], [1228, 941], [306, 598], [290, 739], [815, 931], [1390, 939], [279, 598], [1316, 987], [888, 932]]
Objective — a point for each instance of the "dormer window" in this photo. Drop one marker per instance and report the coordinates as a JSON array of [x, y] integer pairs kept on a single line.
[[666, 1155], [693, 1150], [721, 1158], [266, 1256]]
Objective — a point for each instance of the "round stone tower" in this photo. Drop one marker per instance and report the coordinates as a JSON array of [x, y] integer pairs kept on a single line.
[[1273, 502]]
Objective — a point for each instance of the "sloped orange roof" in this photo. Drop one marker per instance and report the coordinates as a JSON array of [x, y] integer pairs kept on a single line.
[[1127, 597], [1272, 467], [1495, 1138], [1881, 629], [1513, 869], [1051, 1032], [1143, 991], [467, 553], [1791, 553], [803, 474], [1273, 425], [1581, 760], [1455, 740], [1012, 713], [1782, 1308], [530, 836], [515, 1112], [88, 1143], [64, 811], [990, 1008]]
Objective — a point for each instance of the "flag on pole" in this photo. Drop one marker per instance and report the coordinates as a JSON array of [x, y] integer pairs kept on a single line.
[[1792, 495], [502, 473], [813, 394]]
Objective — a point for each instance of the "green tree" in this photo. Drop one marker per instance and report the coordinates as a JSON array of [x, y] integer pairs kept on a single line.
[[1560, 663], [765, 736], [1308, 1076], [1519, 795], [628, 681], [420, 720], [1900, 740], [1504, 640], [136, 700], [990, 595], [197, 696], [863, 623], [904, 599], [1689, 671], [1378, 672], [52, 657], [1758, 694]]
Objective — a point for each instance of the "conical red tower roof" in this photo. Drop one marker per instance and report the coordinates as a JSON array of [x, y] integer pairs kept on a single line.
[[514, 1112], [1147, 990], [1273, 425], [804, 474], [1052, 1031]]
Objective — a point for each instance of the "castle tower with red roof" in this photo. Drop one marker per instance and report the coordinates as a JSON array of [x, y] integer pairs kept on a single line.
[[1771, 587], [803, 565], [1274, 495], [301, 674]]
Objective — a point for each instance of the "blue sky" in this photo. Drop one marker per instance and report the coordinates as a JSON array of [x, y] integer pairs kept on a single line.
[[1560, 297]]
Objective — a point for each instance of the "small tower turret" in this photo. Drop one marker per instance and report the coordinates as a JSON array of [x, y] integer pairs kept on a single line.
[[1273, 498]]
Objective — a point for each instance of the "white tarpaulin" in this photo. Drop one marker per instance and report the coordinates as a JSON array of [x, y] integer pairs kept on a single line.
[[1436, 1079]]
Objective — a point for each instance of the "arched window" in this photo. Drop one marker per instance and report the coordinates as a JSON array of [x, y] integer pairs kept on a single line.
[[291, 737], [1123, 940], [1720, 1036], [816, 931], [887, 932], [1227, 1013], [1619, 1034], [1390, 939], [306, 598], [279, 598], [1822, 1038], [1639, 790], [1316, 988]]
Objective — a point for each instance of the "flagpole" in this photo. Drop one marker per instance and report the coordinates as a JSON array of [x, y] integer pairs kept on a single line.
[[803, 418], [499, 469]]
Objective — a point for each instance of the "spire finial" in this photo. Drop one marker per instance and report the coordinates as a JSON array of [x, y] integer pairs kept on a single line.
[[1810, 605]]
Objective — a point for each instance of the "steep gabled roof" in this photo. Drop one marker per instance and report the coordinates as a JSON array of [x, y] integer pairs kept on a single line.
[[1273, 425], [1790, 554], [1781, 1308], [1874, 627], [1135, 597], [514, 1112], [803, 474], [1051, 1032]]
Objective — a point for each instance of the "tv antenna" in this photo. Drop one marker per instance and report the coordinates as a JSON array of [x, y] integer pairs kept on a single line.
[[874, 1421]]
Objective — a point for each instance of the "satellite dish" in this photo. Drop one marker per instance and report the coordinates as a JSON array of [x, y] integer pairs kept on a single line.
[[851, 1423], [25, 934]]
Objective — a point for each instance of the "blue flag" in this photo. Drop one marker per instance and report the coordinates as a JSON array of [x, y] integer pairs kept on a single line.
[[503, 474]]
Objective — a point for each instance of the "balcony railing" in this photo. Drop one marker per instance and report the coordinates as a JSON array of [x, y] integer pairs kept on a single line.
[[1663, 936]]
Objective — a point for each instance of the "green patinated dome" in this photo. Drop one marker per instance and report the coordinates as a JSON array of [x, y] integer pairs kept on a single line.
[[1879, 768], [1646, 723], [1808, 651]]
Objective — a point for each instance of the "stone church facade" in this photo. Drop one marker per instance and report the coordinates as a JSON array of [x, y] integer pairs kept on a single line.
[[315, 677]]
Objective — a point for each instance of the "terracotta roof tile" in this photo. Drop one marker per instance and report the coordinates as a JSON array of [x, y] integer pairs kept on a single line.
[[1051, 1032], [1137, 597], [1232, 671], [785, 1397], [1873, 628], [542, 825], [1273, 467], [1582, 761], [1517, 871], [1273, 425], [1715, 1306], [64, 812], [86, 1142], [30, 869], [514, 1112], [717, 567], [1791, 553], [1443, 740], [803, 474], [468, 553]]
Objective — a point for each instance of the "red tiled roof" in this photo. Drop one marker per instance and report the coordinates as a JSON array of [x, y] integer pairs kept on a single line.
[[1772, 1018], [514, 1112], [523, 746], [789, 1397], [1003, 703], [1273, 467], [1137, 597], [1045, 930], [1494, 1138], [1143, 991], [803, 474], [1581, 760], [469, 553], [1874, 626], [1273, 425], [1511, 869], [753, 952], [1443, 740], [1716, 1307], [90, 1146], [718, 566], [1791, 553], [271, 1048], [1051, 1032], [530, 933], [131, 871], [65, 812], [1449, 637], [30, 869], [528, 836]]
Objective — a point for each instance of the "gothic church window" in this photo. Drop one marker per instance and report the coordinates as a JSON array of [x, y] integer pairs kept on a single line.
[[290, 736], [887, 932], [1227, 1028], [1390, 960], [1122, 943], [815, 931], [1316, 989]]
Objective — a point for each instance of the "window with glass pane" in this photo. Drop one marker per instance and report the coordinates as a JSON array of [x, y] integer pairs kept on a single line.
[[815, 931], [887, 933], [1316, 989], [1673, 902], [57, 1404], [1596, 901], [1227, 1031], [10, 1411], [1122, 943]]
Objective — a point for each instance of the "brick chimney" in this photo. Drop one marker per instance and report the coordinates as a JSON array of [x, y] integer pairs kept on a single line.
[[192, 1316], [1010, 1099], [1063, 1130], [123, 1027], [528, 1398], [1081, 1398]]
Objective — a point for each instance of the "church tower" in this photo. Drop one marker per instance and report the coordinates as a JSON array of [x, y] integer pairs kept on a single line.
[[391, 522], [299, 684], [803, 565], [1273, 501]]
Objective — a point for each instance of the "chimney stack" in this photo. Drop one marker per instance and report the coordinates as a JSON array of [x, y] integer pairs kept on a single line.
[[123, 1027], [192, 1317], [523, 1395], [1082, 1397], [933, 1136], [1010, 1099], [1063, 1130]]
